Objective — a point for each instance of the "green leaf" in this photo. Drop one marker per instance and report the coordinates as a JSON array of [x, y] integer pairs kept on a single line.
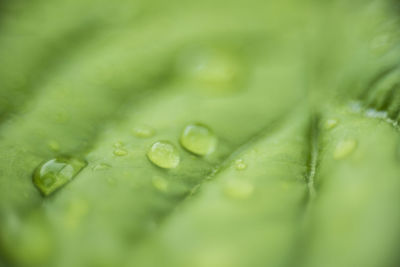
[[151, 133]]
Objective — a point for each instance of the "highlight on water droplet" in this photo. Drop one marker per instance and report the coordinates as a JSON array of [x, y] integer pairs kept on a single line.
[[240, 165], [143, 131], [238, 189], [164, 155], [120, 152], [344, 148], [330, 124], [198, 139], [55, 173], [160, 183]]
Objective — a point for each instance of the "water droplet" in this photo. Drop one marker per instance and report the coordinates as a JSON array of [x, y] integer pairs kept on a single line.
[[198, 139], [239, 189], [54, 145], [164, 154], [120, 152], [344, 148], [160, 183], [55, 173], [214, 69], [101, 166], [330, 124], [118, 144], [143, 131], [240, 164], [373, 113]]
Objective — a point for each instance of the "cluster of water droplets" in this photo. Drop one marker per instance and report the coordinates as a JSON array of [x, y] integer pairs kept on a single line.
[[196, 138], [210, 68]]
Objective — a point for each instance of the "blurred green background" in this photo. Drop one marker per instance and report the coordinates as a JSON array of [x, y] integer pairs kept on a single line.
[[301, 100]]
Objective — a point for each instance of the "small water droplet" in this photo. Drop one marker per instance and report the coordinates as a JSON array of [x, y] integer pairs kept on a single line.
[[164, 154], [101, 166], [54, 145], [55, 173], [120, 152], [373, 113], [344, 148], [240, 165], [214, 69], [160, 183], [238, 189], [198, 139], [330, 124], [143, 131], [118, 144]]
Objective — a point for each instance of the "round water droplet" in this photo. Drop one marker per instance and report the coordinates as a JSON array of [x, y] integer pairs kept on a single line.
[[164, 154], [160, 183], [240, 165], [143, 131], [344, 148], [120, 152], [55, 173], [330, 124], [239, 189], [213, 69], [118, 144], [198, 139]]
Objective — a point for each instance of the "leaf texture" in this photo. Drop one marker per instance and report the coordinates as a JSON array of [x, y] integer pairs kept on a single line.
[[302, 96]]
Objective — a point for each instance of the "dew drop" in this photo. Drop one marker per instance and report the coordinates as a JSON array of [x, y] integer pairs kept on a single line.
[[120, 152], [164, 154], [118, 144], [198, 139], [240, 165], [239, 189], [330, 124], [55, 173], [344, 148], [101, 166], [211, 68], [143, 131], [160, 183]]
